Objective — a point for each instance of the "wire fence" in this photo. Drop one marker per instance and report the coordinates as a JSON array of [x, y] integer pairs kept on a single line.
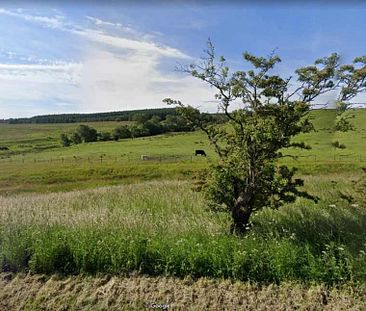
[[129, 158], [103, 158]]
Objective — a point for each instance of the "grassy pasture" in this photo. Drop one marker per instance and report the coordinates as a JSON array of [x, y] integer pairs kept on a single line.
[[28, 167], [25, 138]]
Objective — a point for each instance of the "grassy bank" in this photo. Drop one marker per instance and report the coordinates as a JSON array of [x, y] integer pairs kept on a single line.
[[163, 228]]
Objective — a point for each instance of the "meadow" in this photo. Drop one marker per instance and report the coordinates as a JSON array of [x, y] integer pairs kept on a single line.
[[67, 210], [36, 161]]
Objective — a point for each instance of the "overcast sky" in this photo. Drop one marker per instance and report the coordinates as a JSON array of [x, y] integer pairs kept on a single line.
[[59, 57]]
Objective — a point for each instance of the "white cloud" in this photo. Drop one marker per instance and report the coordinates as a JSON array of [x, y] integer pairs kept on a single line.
[[51, 22], [99, 22], [58, 22], [110, 82], [130, 44], [119, 72], [57, 72]]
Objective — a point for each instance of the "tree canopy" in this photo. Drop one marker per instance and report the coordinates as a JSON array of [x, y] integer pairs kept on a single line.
[[269, 111]]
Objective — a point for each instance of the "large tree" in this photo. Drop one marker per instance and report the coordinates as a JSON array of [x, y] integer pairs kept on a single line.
[[263, 112]]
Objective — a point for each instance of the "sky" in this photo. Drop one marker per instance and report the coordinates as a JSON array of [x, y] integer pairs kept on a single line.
[[63, 57]]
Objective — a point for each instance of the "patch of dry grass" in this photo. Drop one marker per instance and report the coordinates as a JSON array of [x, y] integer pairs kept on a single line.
[[39, 292]]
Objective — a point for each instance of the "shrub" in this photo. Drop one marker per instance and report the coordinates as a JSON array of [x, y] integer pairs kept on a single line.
[[76, 138], [87, 133], [121, 132], [65, 140], [105, 136]]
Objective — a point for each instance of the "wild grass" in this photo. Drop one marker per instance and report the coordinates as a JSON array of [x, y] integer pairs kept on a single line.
[[164, 228], [40, 292]]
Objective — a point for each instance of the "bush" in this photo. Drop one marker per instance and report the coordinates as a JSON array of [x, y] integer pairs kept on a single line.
[[76, 138], [139, 131], [65, 140], [121, 132], [343, 125], [105, 136], [87, 133], [153, 127]]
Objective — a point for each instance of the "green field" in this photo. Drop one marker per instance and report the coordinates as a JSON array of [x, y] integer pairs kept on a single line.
[[37, 162], [97, 208]]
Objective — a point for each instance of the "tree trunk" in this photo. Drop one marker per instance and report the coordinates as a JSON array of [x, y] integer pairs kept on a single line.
[[240, 214]]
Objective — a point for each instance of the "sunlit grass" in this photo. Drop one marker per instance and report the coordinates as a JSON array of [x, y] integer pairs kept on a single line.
[[164, 228]]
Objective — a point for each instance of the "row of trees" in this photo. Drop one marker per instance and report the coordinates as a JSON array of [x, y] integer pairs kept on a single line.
[[144, 126], [132, 115]]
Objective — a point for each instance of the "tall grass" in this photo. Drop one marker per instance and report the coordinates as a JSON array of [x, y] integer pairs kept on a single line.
[[164, 228]]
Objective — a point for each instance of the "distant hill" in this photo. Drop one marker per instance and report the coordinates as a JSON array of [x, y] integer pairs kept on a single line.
[[94, 117]]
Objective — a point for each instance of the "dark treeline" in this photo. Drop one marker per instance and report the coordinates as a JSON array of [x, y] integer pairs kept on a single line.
[[132, 115]]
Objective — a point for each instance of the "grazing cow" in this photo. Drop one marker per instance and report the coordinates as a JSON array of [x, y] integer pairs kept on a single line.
[[144, 157], [200, 152]]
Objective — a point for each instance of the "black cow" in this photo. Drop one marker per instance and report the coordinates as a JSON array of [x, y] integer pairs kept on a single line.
[[200, 152]]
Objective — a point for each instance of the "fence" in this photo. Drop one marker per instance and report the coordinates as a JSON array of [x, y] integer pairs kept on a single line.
[[103, 158]]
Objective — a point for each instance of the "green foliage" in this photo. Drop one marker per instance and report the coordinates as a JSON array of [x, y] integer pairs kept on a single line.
[[65, 140], [87, 133], [138, 130], [176, 124], [343, 124], [144, 126], [352, 79], [248, 145], [76, 138], [154, 127], [121, 132], [104, 136], [140, 118], [254, 136], [93, 117]]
